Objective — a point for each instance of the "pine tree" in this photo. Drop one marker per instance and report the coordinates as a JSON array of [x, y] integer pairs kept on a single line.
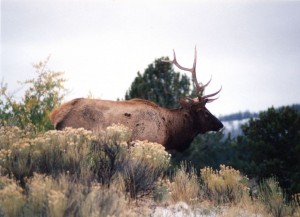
[[160, 84]]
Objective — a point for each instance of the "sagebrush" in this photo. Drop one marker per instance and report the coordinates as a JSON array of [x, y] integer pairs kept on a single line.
[[75, 172]]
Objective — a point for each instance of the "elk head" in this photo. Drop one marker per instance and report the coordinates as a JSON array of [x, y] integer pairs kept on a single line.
[[204, 120]]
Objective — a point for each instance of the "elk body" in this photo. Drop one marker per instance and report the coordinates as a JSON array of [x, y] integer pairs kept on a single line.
[[173, 128]]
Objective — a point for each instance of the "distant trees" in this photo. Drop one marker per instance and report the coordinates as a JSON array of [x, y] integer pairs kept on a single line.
[[42, 95], [238, 116], [160, 84]]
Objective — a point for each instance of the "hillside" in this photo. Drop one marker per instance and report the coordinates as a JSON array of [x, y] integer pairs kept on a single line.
[[233, 122]]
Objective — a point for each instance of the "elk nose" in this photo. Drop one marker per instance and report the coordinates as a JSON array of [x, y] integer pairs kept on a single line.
[[220, 125]]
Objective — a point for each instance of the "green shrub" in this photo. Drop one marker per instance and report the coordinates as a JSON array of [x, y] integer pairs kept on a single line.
[[42, 94]]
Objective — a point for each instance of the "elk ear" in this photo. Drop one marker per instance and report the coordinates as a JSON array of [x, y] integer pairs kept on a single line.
[[184, 103]]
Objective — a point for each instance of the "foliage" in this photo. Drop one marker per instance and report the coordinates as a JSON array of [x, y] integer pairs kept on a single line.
[[160, 84], [42, 95], [11, 197], [106, 152], [271, 147], [224, 185], [77, 173], [51, 153], [137, 165], [274, 198], [185, 185], [210, 149], [79, 153], [61, 172], [55, 197], [145, 163]]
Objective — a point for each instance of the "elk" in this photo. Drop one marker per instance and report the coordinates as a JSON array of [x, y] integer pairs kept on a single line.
[[175, 129]]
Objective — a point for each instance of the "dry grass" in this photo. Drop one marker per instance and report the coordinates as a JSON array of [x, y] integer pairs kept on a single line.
[[185, 186], [274, 199]]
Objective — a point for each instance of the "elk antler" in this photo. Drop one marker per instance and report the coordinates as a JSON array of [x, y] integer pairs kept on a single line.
[[198, 86]]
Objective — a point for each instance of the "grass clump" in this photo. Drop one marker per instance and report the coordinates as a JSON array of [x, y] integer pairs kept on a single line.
[[274, 199], [185, 185], [103, 201]]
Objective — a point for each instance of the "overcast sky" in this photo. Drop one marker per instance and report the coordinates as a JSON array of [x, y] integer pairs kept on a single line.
[[251, 48]]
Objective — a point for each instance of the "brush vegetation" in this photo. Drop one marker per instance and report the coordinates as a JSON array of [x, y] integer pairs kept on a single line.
[[77, 173]]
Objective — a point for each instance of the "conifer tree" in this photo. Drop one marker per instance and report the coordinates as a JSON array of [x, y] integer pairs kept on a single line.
[[271, 147], [160, 84]]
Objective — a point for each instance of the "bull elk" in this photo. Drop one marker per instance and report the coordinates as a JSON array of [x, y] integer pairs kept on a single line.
[[173, 128]]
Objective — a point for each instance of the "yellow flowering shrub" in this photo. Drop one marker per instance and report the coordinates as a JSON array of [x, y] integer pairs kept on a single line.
[[118, 133], [48, 196], [46, 193], [135, 166], [11, 134], [101, 201], [79, 152], [224, 185], [11, 197], [142, 165], [21, 154], [151, 153]]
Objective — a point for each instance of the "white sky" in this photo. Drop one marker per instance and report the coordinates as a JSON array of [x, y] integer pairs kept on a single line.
[[251, 48]]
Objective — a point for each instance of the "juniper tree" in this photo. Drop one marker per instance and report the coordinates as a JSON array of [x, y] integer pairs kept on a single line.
[[161, 84]]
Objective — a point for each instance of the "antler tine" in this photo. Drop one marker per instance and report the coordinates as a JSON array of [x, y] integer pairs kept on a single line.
[[192, 70], [199, 88], [205, 85], [211, 100], [210, 95]]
